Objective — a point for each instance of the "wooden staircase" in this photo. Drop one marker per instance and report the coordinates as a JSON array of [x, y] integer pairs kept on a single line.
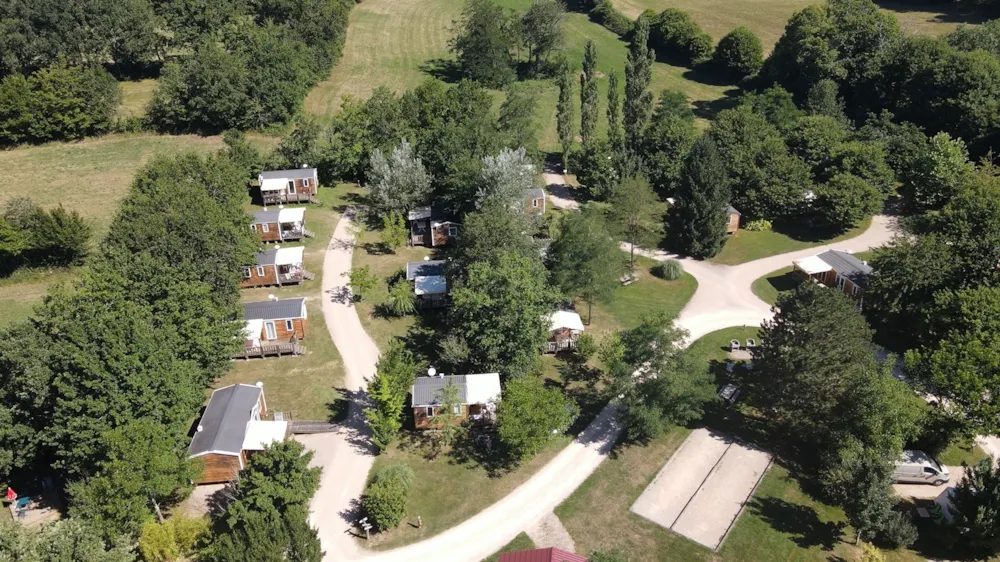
[[308, 275], [308, 233]]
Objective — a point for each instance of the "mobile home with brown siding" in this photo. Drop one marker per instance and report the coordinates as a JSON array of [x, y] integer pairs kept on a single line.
[[279, 225], [275, 321], [478, 396], [277, 266], [288, 186], [836, 268]]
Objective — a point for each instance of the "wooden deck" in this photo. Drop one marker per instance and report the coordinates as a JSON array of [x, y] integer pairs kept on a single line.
[[271, 350]]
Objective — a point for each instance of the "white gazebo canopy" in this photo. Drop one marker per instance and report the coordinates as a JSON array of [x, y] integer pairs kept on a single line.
[[273, 185], [812, 265], [565, 319], [295, 214], [289, 256]]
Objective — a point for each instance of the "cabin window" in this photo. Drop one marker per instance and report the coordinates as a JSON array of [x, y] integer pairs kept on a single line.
[[264, 227], [729, 219], [429, 411], [246, 272], [452, 231], [289, 326], [253, 227], [305, 182], [270, 332], [260, 271], [855, 290], [291, 186], [421, 227], [840, 281], [534, 203], [456, 410]]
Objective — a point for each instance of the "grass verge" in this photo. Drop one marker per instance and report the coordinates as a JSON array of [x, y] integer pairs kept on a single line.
[[744, 246]]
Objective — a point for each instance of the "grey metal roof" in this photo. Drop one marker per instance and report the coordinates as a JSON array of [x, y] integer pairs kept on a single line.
[[224, 423], [273, 310], [425, 389], [534, 193], [296, 174], [267, 215], [847, 265], [428, 268], [419, 213], [267, 257], [732, 210]]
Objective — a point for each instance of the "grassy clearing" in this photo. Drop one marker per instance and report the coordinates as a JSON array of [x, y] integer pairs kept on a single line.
[[962, 452], [743, 245], [307, 386], [768, 287], [136, 95], [451, 485], [520, 542], [22, 291], [648, 295], [90, 176], [714, 346]]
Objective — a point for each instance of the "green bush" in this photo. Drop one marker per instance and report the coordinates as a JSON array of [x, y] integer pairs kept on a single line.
[[671, 270], [739, 54], [605, 14], [384, 500], [585, 347], [401, 300], [759, 225], [677, 34], [174, 538]]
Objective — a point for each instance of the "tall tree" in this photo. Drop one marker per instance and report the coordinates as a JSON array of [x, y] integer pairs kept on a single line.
[[616, 135], [398, 183], [495, 229], [586, 260], [588, 94], [936, 177], [564, 115], [637, 214], [667, 139], [500, 309], [69, 539], [638, 75], [531, 415], [541, 28], [698, 220], [483, 43], [739, 53], [394, 374], [504, 178], [975, 505]]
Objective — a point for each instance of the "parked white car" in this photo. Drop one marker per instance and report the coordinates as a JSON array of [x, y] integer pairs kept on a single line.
[[917, 467]]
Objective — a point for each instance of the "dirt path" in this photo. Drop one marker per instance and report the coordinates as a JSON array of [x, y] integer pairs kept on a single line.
[[346, 455]]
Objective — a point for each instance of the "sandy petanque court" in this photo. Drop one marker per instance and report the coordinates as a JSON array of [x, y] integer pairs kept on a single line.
[[702, 489]]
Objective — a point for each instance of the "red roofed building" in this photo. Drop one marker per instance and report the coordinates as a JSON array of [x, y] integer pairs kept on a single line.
[[541, 555]]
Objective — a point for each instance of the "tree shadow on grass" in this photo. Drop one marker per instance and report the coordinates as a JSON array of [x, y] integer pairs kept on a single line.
[[707, 73], [799, 521], [445, 70], [708, 109], [471, 452], [785, 282], [804, 232], [948, 12]]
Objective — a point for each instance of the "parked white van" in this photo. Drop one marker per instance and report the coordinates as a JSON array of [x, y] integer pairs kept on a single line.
[[917, 467]]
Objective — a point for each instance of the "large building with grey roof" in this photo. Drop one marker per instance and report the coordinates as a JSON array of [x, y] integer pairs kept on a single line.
[[476, 397], [836, 268]]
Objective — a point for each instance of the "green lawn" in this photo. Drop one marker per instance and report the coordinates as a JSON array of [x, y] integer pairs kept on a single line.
[[308, 385], [959, 452], [768, 287], [520, 542], [714, 346], [744, 246], [135, 96]]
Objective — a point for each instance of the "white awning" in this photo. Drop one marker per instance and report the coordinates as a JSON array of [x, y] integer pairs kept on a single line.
[[812, 265], [273, 185], [482, 388], [430, 285], [567, 319], [291, 215], [289, 256], [253, 328], [262, 433]]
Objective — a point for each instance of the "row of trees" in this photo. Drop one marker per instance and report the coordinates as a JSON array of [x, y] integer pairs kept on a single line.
[[31, 236], [100, 386]]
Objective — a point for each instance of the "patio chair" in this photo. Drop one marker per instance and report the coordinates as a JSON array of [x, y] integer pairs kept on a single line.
[[734, 345]]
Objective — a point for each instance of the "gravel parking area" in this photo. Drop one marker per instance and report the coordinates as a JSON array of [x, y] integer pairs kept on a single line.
[[702, 489]]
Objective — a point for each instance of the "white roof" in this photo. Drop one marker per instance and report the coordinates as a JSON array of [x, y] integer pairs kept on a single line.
[[261, 433], [277, 184], [253, 329], [430, 285], [289, 256], [482, 388], [565, 319], [295, 214], [812, 265]]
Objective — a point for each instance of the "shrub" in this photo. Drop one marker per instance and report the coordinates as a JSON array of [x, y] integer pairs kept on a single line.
[[739, 53], [759, 225], [586, 347], [174, 538], [670, 270], [605, 14], [384, 499], [676, 32], [401, 300]]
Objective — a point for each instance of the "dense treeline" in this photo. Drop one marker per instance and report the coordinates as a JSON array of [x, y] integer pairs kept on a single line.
[[31, 236], [100, 386]]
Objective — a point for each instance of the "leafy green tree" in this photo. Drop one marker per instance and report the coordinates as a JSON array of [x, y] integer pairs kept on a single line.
[[585, 258], [12, 241], [739, 53], [267, 536], [813, 138], [531, 415], [903, 142], [812, 348], [803, 56], [596, 167], [974, 507], [484, 42], [517, 117], [360, 280], [869, 501], [776, 104], [677, 34], [824, 99], [394, 231], [500, 309], [845, 200], [564, 115], [176, 537], [971, 37], [638, 75], [668, 138], [767, 181], [865, 160], [698, 219], [385, 496], [505, 178], [401, 300], [937, 175], [300, 147], [655, 380], [496, 229], [541, 30], [243, 154], [448, 418], [276, 480], [68, 539], [394, 375], [616, 134], [397, 183], [588, 94], [60, 237], [637, 214]]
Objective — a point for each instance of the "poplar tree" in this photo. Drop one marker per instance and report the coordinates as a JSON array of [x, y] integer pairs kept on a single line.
[[698, 221], [564, 115], [638, 75], [588, 94], [615, 135]]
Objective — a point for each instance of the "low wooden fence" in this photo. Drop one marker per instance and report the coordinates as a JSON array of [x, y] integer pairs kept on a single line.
[[271, 350]]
